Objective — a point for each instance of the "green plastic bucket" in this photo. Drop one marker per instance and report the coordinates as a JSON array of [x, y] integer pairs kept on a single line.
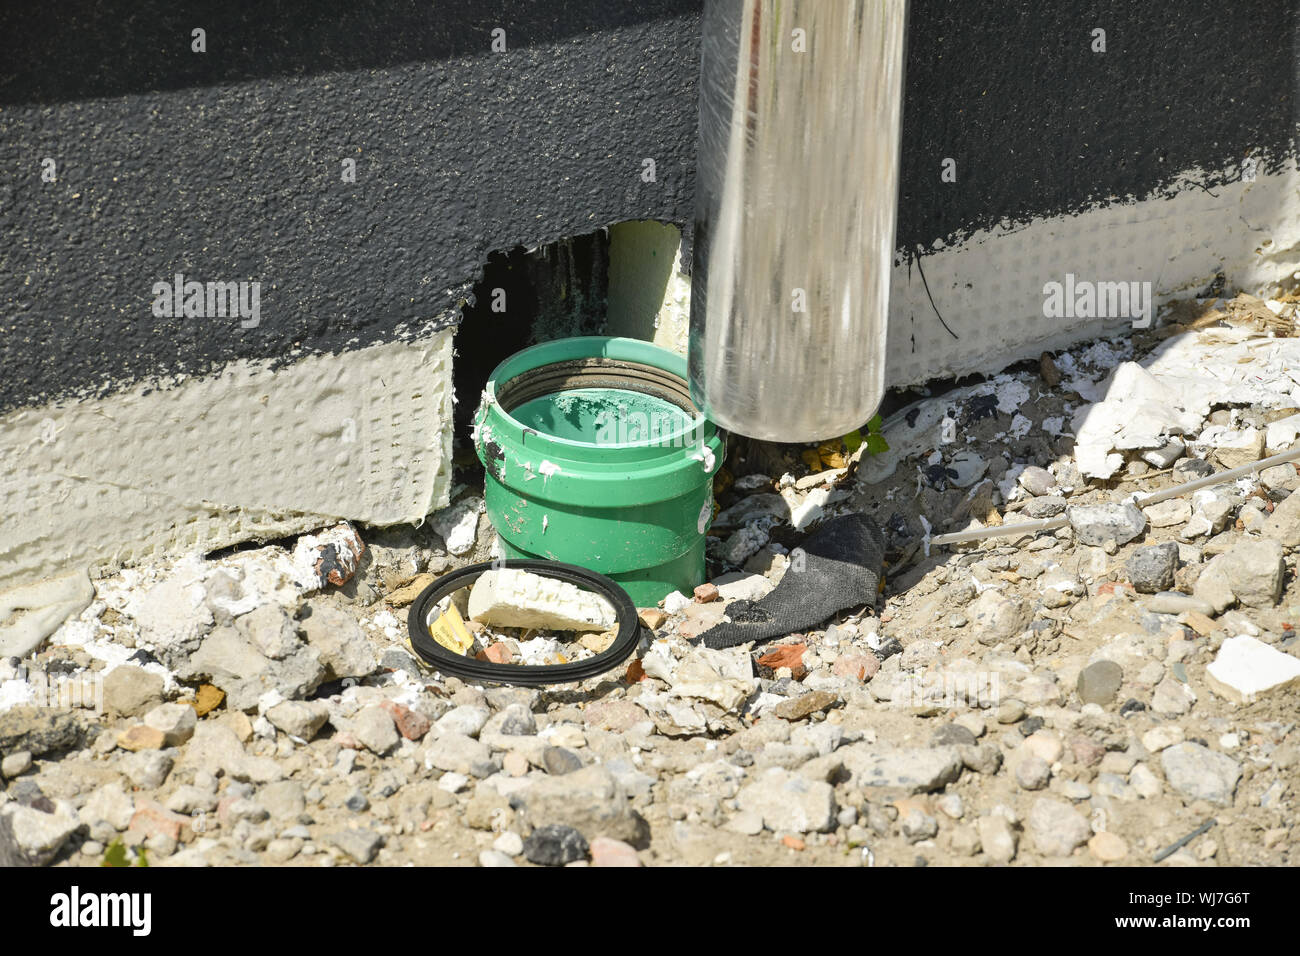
[[596, 456]]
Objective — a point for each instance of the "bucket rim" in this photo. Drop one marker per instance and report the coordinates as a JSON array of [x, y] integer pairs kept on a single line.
[[618, 348]]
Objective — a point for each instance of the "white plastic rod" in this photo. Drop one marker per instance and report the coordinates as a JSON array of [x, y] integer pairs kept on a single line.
[[1050, 524]]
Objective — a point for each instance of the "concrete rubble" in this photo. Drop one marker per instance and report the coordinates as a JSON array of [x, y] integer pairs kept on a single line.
[[1086, 694]]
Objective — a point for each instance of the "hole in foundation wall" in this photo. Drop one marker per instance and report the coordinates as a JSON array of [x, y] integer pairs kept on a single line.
[[525, 297]]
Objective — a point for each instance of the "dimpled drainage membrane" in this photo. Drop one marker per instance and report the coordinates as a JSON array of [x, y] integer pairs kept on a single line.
[[603, 416]]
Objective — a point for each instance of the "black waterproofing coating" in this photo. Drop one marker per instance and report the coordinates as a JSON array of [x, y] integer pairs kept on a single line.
[[839, 568], [523, 675]]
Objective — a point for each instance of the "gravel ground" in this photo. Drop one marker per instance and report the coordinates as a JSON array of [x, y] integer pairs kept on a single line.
[[1043, 698]]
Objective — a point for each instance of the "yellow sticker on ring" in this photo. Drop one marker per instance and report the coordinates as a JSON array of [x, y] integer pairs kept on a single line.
[[450, 631]]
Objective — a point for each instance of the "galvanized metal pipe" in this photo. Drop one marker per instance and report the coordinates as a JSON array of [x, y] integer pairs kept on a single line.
[[797, 187]]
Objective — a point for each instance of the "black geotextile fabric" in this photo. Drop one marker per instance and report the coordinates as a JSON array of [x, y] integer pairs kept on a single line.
[[841, 567]]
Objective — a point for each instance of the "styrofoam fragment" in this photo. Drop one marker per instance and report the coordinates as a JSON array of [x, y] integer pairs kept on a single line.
[[810, 509], [509, 597], [458, 524], [675, 601], [1246, 668]]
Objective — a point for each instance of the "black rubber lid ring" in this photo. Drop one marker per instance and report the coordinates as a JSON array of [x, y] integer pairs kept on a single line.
[[523, 675]]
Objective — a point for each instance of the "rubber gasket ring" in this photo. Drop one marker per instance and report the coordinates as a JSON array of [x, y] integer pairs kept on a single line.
[[523, 675]]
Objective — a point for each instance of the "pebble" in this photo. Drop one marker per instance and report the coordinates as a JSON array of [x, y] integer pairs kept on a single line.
[[375, 729], [1037, 481], [282, 851], [1087, 752], [1175, 602], [1131, 706], [996, 618], [918, 770], [1187, 469], [1199, 773], [997, 838], [972, 722], [1033, 773], [1099, 682], [1107, 847], [1056, 827], [950, 804], [297, 718], [453, 782], [509, 843], [148, 770], [1151, 569], [1046, 506], [1074, 790], [465, 719], [283, 800], [1117, 762], [1113, 786], [982, 758], [609, 852], [140, 737], [1060, 588], [175, 721], [1158, 738], [1116, 523], [1284, 524], [515, 764], [559, 761], [1045, 745], [917, 825], [1211, 513], [858, 667], [1170, 698], [952, 735], [1169, 514], [1280, 476], [789, 802], [746, 822], [555, 845], [411, 724], [704, 593], [130, 691], [1254, 570], [109, 804], [15, 765], [361, 845], [1010, 711], [592, 800], [805, 705], [1236, 448], [459, 754], [1144, 782], [33, 837]]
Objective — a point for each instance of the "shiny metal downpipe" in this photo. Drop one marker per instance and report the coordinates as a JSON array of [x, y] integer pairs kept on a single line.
[[796, 194]]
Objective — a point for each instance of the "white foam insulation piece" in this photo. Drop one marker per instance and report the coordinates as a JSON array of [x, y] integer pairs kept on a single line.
[[989, 289], [248, 453]]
